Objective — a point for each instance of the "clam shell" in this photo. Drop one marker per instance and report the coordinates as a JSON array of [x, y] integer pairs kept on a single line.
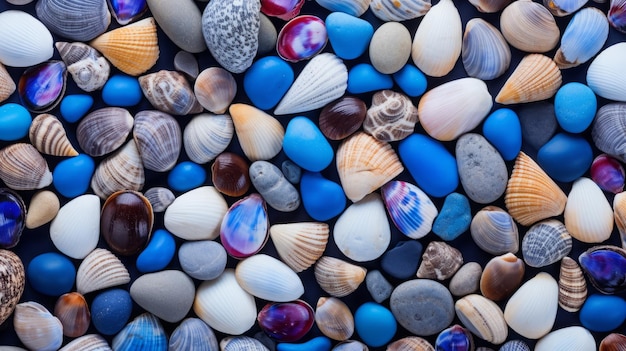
[[515, 345], [530, 194], [536, 78], [410, 343], [160, 198], [23, 168], [215, 88], [572, 285], [398, 11], [300, 245], [545, 243], [437, 42], [561, 8], [613, 342], [605, 76], [90, 342], [145, 332], [36, 327], [206, 136], [241, 343], [588, 215], [485, 53], [616, 15], [391, 117], [168, 91], [494, 231], [619, 213], [76, 228], [25, 40], [268, 278], [7, 85], [529, 26], [365, 164], [501, 277], [334, 319], [13, 281], [338, 277], [47, 134], [570, 338], [43, 208], [104, 130], [158, 139], [196, 214], [79, 20], [193, 334], [260, 135], [133, 49], [608, 131], [490, 6], [350, 345], [121, 171], [482, 317], [410, 209], [352, 7], [101, 269], [89, 69], [341, 118], [583, 38], [440, 261], [72, 310]]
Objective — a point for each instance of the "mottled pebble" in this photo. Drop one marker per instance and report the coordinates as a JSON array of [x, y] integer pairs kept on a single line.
[[110, 311], [122, 91], [181, 21], [503, 130], [575, 107], [267, 35], [320, 343], [390, 47], [159, 252], [322, 198], [364, 78], [75, 107], [538, 123], [14, 122], [379, 288], [270, 182], [603, 313], [71, 177], [348, 35], [401, 262], [51, 274], [466, 280], [202, 260], [565, 157], [411, 80], [186, 176], [291, 171], [454, 218], [374, 324], [267, 80], [167, 294]]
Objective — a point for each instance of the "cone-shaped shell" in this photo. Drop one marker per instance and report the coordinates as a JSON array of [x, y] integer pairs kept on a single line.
[[588, 214], [338, 277], [440, 261], [494, 231], [7, 85], [574, 338], [76, 20], [121, 171], [605, 75], [619, 213], [36, 327], [389, 10], [104, 130], [90, 342], [334, 319], [267, 278], [530, 194], [76, 228], [101, 269], [536, 78], [572, 285], [482, 317], [23, 168], [260, 135], [47, 134], [545, 243], [196, 214], [410, 343], [583, 38], [133, 49], [169, 91], [89, 69], [529, 26], [300, 245], [206, 136], [485, 53]]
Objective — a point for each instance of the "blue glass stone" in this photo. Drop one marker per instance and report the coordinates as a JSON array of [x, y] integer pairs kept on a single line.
[[159, 252], [603, 313], [71, 177], [323, 199], [455, 338], [75, 107], [364, 78], [186, 176], [122, 91], [51, 274], [348, 35], [455, 217], [125, 11], [575, 107], [306, 146], [411, 80], [14, 122], [110, 311], [565, 157], [375, 324], [605, 267], [244, 229], [503, 130], [267, 80], [12, 218], [41, 87], [320, 343]]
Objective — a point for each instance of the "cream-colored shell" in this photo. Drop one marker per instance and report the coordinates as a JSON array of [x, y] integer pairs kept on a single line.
[[494, 231], [7, 85], [89, 342], [89, 69], [300, 245], [267, 278], [482, 317], [196, 214], [619, 213], [334, 319], [121, 171], [25, 40], [47, 134], [574, 338], [36, 327], [215, 88], [23, 168], [101, 269], [44, 206], [338, 277], [399, 10], [260, 135], [206, 136], [536, 78], [529, 26], [485, 53], [606, 76], [588, 214]]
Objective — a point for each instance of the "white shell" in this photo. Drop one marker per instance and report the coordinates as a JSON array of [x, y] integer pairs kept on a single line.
[[398, 11], [323, 79], [482, 317], [89, 342], [300, 245], [101, 269], [485, 53], [196, 214], [606, 76], [25, 40], [76, 228], [36, 327], [260, 135], [224, 305], [531, 311], [583, 38], [352, 7], [207, 136], [588, 214], [268, 278], [567, 339]]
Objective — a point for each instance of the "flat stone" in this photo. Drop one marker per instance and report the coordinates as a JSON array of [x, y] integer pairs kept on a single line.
[[166, 294], [390, 47], [454, 218], [401, 262], [466, 280], [202, 260], [378, 286]]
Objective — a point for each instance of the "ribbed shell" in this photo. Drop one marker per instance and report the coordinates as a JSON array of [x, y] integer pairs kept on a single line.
[[13, 282], [47, 134], [206, 136], [7, 85], [561, 8], [529, 26], [391, 117], [89, 69], [545, 243], [410, 343], [104, 130], [300, 245], [101, 269], [160, 198], [619, 213], [25, 40], [215, 88], [494, 231], [158, 139], [583, 38], [514, 345], [334, 319], [485, 53], [121, 171], [574, 338], [398, 11], [79, 20], [609, 130], [338, 277], [196, 214], [605, 75], [588, 215], [241, 343], [36, 327], [90, 342], [23, 168], [572, 285], [145, 332], [169, 91], [616, 15], [410, 209], [76, 228], [193, 334], [536, 78], [260, 135], [482, 317], [268, 278], [613, 342], [352, 7]]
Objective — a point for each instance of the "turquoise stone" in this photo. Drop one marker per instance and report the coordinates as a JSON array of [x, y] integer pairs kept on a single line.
[[603, 313], [455, 217], [364, 78], [71, 177], [323, 199], [575, 107], [51, 274], [267, 80], [122, 91], [503, 130], [348, 35], [411, 80], [565, 157], [14, 122], [75, 107], [186, 176], [320, 343], [306, 146], [159, 252], [375, 324]]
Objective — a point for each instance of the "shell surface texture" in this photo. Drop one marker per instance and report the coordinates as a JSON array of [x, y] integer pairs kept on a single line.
[[89, 69], [268, 278], [334, 318], [391, 117], [545, 243], [123, 170], [389, 10], [7, 85], [577, 48], [42, 87], [605, 266], [145, 332], [572, 285], [104, 130], [410, 209], [36, 327], [47, 134], [337, 277], [168, 91], [604, 77], [206, 136], [260, 135], [300, 245], [13, 280], [482, 317], [485, 53], [23, 168], [536, 78], [196, 214], [529, 26], [215, 88], [26, 41], [494, 231], [158, 138], [101, 269], [244, 229], [76, 228], [76, 20]]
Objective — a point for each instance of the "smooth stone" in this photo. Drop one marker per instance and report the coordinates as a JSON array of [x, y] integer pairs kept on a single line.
[[575, 107], [202, 260], [72, 176], [166, 294], [466, 280], [390, 47], [538, 123], [411, 80], [291, 171], [270, 182], [267, 35], [75, 107], [306, 146], [565, 157], [482, 170], [603, 313], [374, 324], [159, 252], [503, 130], [348, 35], [379, 288], [454, 218], [14, 122], [51, 274], [267, 80], [186, 176], [187, 63], [364, 78], [181, 21], [423, 307], [110, 311], [431, 165], [322, 198], [402, 261], [320, 343], [43, 207], [122, 91]]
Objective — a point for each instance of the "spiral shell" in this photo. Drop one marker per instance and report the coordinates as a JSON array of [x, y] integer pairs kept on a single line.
[[121, 171], [337, 277], [47, 134], [391, 117], [89, 69], [101, 269], [158, 139], [439, 261], [572, 285], [168, 91], [13, 280], [23, 168], [36, 327]]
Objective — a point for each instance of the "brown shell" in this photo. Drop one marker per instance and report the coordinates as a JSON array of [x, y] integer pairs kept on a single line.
[[168, 91], [230, 176], [440, 261], [72, 310], [410, 343], [334, 319], [536, 78], [341, 118], [572, 286], [338, 277], [215, 89], [7, 85], [47, 134], [12, 280], [23, 168], [613, 342], [501, 277], [391, 117]]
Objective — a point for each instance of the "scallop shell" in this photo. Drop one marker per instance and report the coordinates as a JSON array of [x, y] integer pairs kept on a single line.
[[613, 342], [241, 343], [145, 332], [482, 317], [536, 78], [485, 53], [588, 214], [36, 327], [133, 49], [23, 168], [545, 243], [79, 20], [529, 26], [89, 69], [609, 130], [490, 6], [334, 319], [352, 7], [561, 8], [73, 312], [572, 285], [437, 42], [605, 75], [158, 139], [494, 231], [43, 208], [410, 209], [196, 214], [365, 164], [168, 91], [391, 117], [300, 245], [410, 343], [7, 85], [215, 88], [619, 213], [160, 198], [76, 228], [206, 136], [530, 194], [501, 277], [101, 269], [398, 11], [90, 342], [583, 38], [567, 339], [268, 278], [338, 277], [121, 171], [25, 40], [47, 134], [193, 334], [440, 261], [104, 130], [260, 135]]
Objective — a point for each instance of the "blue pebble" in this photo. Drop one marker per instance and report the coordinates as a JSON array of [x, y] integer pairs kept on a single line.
[[320, 343], [348, 35], [159, 252], [111, 310], [364, 78], [575, 107], [454, 218], [51, 274], [375, 324], [323, 199], [14, 122], [306, 146], [75, 107], [565, 157], [503, 130], [267, 80], [411, 80], [122, 91], [71, 177], [186, 176], [603, 313], [431, 165]]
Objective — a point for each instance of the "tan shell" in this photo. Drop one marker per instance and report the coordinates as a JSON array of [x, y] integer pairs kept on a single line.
[[440, 261], [529, 26], [13, 280], [89, 69], [536, 78], [588, 214], [206, 136], [47, 134], [121, 171], [44, 206], [494, 231], [300, 245], [391, 117], [410, 343], [104, 130], [260, 135], [365, 164], [619, 213], [101, 269], [23, 168], [338, 277], [482, 317], [36, 327], [215, 89], [572, 285], [531, 195], [7, 85], [90, 342], [334, 319], [501, 277], [168, 91]]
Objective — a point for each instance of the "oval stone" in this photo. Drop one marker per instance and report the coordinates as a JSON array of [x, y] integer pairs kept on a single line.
[[267, 80], [71, 177], [402, 261], [575, 107], [466, 280], [274, 187], [565, 157], [603, 313], [75, 107], [454, 218], [51, 274], [538, 123], [110, 311], [186, 176], [12, 217], [167, 294], [202, 260], [375, 324], [411, 80], [122, 91], [305, 145], [320, 343], [159, 252], [181, 21], [379, 288], [503, 130], [390, 47], [364, 78], [348, 35], [291, 171], [322, 198], [14, 122], [126, 222]]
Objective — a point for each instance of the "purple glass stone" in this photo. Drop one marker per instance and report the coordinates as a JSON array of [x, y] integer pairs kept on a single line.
[[301, 38], [455, 338], [125, 11], [41, 87], [283, 9], [608, 173], [12, 218], [244, 229], [605, 267], [286, 321], [617, 15]]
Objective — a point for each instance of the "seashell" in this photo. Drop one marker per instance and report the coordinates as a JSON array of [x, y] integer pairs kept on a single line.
[[454, 337], [485, 53], [616, 15], [241, 343], [301, 38], [104, 130], [193, 334], [300, 245], [196, 214], [121, 171], [530, 193], [619, 213], [231, 32], [323, 79], [145, 332], [160, 198], [613, 342], [42, 87], [514, 345], [168, 91], [529, 26], [7, 85], [494, 231], [501, 277], [76, 20], [76, 228], [410, 209], [19, 2], [391, 117], [268, 278], [588, 214], [608, 127], [126, 11], [352, 7], [47, 134], [101, 269], [44, 207], [464, 102], [572, 286], [229, 174], [398, 11], [365, 164], [439, 261], [342, 117], [215, 88], [338, 277], [126, 222], [25, 40], [482, 317], [89, 69], [90, 342], [36, 327], [23, 168], [531, 311], [286, 321], [244, 229], [260, 135], [187, 63], [206, 136], [158, 139], [604, 75], [14, 279], [578, 48], [608, 173], [605, 266], [282, 9], [490, 6], [72, 310], [570, 338], [410, 343], [132, 49], [334, 319], [545, 243], [561, 8], [437, 42], [536, 78]]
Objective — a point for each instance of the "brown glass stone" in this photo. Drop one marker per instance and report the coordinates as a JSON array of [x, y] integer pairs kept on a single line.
[[73, 312], [126, 222], [229, 174], [343, 117], [501, 277]]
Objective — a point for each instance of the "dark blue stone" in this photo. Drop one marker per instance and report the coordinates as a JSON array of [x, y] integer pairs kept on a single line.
[[402, 261], [455, 338], [51, 274], [565, 157], [111, 310], [12, 218], [605, 267]]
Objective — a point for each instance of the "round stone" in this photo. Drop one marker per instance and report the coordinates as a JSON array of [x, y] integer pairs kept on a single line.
[[122, 91], [503, 130], [364, 78], [454, 218], [390, 47], [267, 80], [323, 199], [411, 80], [202, 260], [186, 176], [75, 107], [71, 177], [379, 288], [401, 262], [159, 252], [603, 313], [466, 280], [305, 145], [575, 107], [110, 311], [565, 157], [51, 274], [375, 324], [348, 35], [167, 294], [14, 122]]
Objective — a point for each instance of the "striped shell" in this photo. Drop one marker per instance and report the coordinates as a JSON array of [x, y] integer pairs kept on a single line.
[[145, 332], [334, 319], [485, 53], [583, 38], [169, 91], [572, 285], [196, 214], [89, 69], [36, 327], [101, 269], [193, 334], [529, 26], [494, 231], [482, 317], [300, 245], [158, 139], [25, 40], [121, 171], [206, 136], [77, 20], [352, 7], [47, 134], [338, 277], [7, 85], [268, 278], [104, 130], [545, 243], [536, 78], [410, 209], [89, 342], [391, 117], [260, 135], [23, 168], [398, 11], [410, 343]]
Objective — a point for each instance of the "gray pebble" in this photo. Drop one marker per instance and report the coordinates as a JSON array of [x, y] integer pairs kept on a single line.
[[202, 260], [538, 123], [270, 182], [390, 47], [166, 294], [466, 280], [186, 63], [181, 21], [267, 36], [292, 171], [378, 286]]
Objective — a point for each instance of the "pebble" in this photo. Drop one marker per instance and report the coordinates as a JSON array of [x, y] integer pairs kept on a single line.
[[186, 63], [466, 280], [75, 107], [265, 340], [122, 91], [411, 80], [565, 157], [202, 260], [320, 343], [575, 107], [267, 35], [291, 171], [603, 313], [482, 170], [270, 182], [538, 123], [167, 294], [51, 274], [322, 199], [185, 176], [364, 78], [306, 146], [181, 21], [267, 80], [43, 207], [71, 177], [390, 47], [379, 288], [374, 324], [401, 262], [454, 218], [14, 122], [503, 130], [159, 252], [110, 311], [348, 35]]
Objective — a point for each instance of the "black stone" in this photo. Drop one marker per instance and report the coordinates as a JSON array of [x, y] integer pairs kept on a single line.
[[538, 123], [402, 261]]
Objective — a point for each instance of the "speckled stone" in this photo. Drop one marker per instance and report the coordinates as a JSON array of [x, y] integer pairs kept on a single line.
[[390, 47], [202, 260], [166, 294], [378, 286], [466, 280]]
